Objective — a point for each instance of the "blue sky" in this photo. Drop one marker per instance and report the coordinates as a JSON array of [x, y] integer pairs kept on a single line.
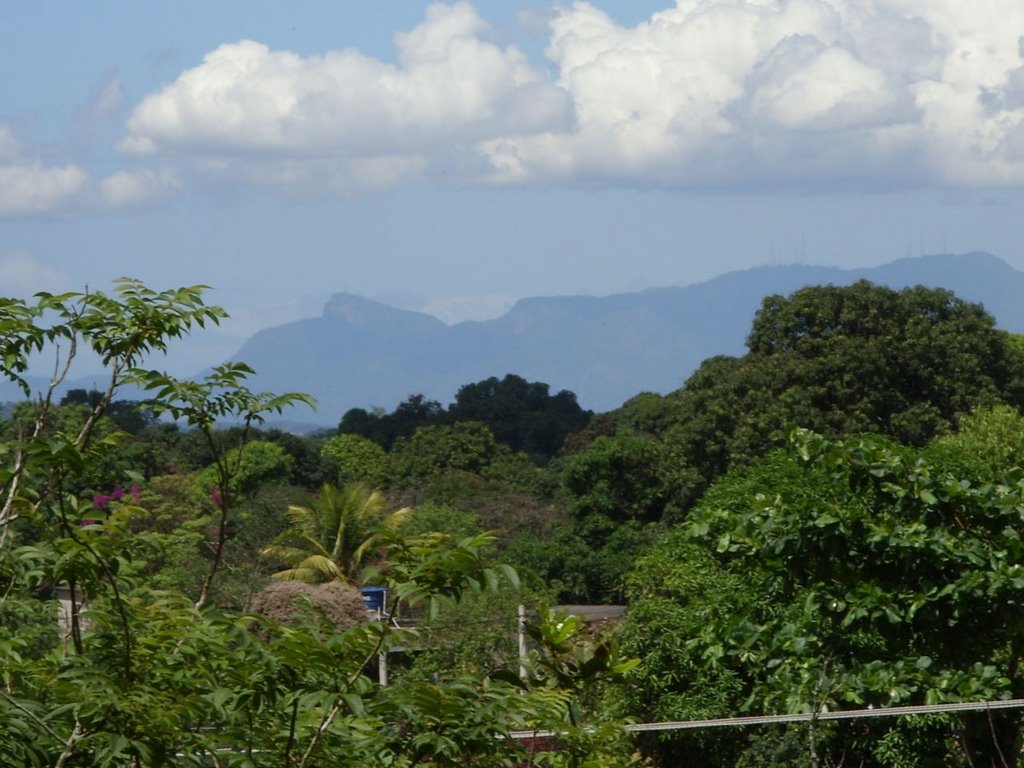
[[455, 157]]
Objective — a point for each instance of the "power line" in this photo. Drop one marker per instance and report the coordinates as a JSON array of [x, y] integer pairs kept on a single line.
[[801, 717]]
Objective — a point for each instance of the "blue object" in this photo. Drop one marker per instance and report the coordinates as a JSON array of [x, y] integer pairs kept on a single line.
[[374, 597]]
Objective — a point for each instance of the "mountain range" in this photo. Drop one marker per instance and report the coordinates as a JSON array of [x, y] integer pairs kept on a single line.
[[361, 353]]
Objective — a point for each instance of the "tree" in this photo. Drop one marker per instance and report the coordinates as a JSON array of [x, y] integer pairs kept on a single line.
[[156, 677], [675, 590], [128, 415], [879, 575], [309, 468], [521, 414], [256, 463], [841, 360], [619, 478], [329, 538], [468, 446], [385, 428], [359, 459]]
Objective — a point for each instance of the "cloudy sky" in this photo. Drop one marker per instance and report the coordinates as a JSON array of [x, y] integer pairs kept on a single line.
[[455, 157]]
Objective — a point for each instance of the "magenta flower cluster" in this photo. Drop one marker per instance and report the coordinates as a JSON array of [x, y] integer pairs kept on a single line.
[[101, 500]]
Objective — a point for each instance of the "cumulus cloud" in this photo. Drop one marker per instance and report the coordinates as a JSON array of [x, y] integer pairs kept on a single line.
[[376, 120], [27, 187], [726, 92], [131, 189], [708, 93]]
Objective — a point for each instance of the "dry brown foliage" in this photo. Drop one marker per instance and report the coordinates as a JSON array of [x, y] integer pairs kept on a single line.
[[340, 603]]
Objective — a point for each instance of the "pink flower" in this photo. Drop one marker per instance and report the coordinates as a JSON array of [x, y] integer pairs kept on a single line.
[[118, 493], [215, 496], [135, 492], [100, 500]]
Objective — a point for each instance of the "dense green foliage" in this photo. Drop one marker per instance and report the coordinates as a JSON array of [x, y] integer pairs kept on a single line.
[[358, 458], [875, 560], [155, 665], [520, 414], [839, 574], [840, 361]]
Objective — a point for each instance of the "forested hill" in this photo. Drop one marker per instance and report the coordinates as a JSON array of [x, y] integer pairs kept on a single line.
[[360, 353]]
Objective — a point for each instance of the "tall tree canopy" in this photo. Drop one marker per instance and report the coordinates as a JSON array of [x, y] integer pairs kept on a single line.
[[521, 414], [840, 360], [847, 574]]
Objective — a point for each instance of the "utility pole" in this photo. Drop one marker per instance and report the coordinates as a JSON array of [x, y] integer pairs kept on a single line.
[[382, 657]]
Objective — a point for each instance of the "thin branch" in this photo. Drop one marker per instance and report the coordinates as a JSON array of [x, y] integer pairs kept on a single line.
[[111, 579], [224, 478], [965, 744], [69, 746], [7, 515], [8, 590], [332, 713], [76, 630], [995, 740], [291, 734], [60, 373], [35, 718], [225, 473], [100, 408]]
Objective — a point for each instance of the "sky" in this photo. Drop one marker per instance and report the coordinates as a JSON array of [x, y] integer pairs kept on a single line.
[[454, 157]]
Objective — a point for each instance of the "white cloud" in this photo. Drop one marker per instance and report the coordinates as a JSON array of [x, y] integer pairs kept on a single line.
[[28, 188], [709, 93], [449, 87], [130, 189], [22, 275], [805, 85], [720, 92]]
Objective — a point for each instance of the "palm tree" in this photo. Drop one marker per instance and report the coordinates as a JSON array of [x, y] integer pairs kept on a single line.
[[329, 538]]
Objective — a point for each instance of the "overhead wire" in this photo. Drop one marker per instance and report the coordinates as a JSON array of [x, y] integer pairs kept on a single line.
[[802, 717]]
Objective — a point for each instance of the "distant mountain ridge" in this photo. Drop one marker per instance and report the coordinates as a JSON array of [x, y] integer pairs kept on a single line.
[[360, 353]]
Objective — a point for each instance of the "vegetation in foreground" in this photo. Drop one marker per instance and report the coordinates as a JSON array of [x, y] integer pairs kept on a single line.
[[829, 521], [155, 668]]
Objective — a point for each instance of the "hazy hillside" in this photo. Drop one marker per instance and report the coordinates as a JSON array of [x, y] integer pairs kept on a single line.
[[607, 349]]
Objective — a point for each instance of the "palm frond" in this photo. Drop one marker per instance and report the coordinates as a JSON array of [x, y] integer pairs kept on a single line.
[[329, 538]]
